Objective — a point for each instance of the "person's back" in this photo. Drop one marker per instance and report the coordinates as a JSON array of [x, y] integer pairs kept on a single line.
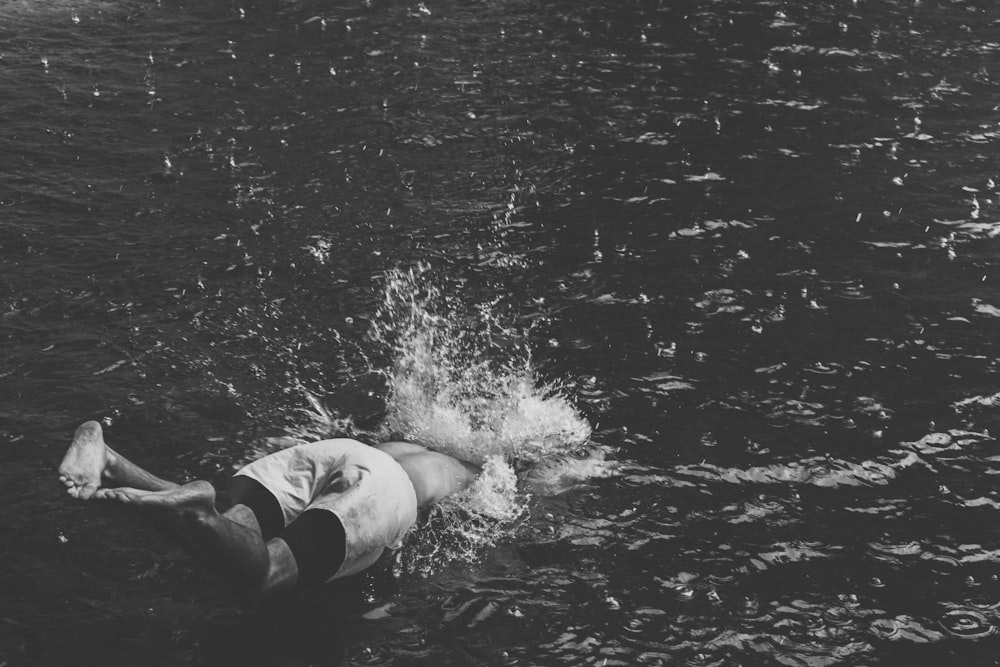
[[434, 475]]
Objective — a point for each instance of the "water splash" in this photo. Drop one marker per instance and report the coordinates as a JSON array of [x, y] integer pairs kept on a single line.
[[462, 381], [463, 526], [459, 381]]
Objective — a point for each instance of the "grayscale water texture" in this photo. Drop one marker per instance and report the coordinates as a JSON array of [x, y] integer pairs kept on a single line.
[[756, 242]]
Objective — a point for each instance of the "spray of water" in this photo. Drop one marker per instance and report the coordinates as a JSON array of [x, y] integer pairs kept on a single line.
[[461, 382]]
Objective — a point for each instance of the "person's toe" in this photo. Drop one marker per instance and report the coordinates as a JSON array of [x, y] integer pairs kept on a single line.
[[117, 494]]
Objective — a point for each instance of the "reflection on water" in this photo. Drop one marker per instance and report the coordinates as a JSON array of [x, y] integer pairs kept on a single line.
[[752, 243]]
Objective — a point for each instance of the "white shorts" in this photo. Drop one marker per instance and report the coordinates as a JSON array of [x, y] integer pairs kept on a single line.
[[362, 486]]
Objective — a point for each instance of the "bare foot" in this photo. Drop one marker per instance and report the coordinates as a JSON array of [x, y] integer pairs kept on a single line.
[[194, 499], [84, 465]]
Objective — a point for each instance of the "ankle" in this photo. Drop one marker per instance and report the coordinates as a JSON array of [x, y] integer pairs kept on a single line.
[[111, 466]]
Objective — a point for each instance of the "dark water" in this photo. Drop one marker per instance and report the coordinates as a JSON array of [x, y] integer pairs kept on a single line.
[[755, 239]]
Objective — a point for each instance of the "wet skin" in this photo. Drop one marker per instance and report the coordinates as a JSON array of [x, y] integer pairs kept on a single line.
[[91, 470]]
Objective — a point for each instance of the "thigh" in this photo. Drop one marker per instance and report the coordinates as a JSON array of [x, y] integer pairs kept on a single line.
[[253, 495], [318, 543]]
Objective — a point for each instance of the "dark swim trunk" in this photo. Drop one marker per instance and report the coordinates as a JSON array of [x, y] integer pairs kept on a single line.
[[338, 504]]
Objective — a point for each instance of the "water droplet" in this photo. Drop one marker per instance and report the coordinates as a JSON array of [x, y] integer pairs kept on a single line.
[[370, 657], [612, 603], [664, 350], [812, 622], [705, 660], [749, 608], [875, 582], [682, 592]]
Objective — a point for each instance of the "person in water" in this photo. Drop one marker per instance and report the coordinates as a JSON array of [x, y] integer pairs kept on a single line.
[[301, 516]]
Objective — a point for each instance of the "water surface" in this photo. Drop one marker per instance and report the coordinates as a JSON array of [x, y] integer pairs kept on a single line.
[[755, 241]]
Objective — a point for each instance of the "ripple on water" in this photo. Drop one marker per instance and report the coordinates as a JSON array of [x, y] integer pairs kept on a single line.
[[371, 656], [410, 645], [649, 629], [851, 290], [984, 602], [967, 624], [884, 628]]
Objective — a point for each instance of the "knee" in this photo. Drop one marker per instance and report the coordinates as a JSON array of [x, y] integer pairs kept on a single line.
[[282, 571], [279, 573]]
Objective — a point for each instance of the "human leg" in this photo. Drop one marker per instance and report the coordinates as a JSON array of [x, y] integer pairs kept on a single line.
[[253, 505], [231, 543], [89, 464]]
